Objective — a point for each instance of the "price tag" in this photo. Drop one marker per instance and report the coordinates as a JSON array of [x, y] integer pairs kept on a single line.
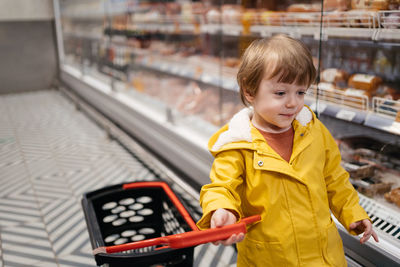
[[346, 115], [321, 107]]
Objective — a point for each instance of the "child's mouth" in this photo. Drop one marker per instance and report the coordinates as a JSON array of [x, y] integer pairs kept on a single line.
[[288, 115]]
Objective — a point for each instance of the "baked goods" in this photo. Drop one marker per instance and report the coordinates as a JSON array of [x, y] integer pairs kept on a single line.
[[366, 82], [304, 8], [359, 170], [336, 76], [388, 92], [213, 16], [371, 187], [339, 5], [272, 18], [231, 14], [393, 196], [370, 4], [380, 4], [361, 18]]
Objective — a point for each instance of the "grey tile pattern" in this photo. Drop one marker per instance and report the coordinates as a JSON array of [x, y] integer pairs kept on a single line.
[[50, 154]]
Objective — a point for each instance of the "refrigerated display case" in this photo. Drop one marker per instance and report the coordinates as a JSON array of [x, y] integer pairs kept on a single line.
[[165, 71]]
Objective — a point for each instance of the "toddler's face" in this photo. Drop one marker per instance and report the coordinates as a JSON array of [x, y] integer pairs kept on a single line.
[[276, 104]]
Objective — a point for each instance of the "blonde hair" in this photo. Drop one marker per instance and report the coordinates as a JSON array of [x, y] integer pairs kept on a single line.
[[280, 56]]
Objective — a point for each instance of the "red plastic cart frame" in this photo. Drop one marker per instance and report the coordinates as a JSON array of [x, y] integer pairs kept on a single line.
[[187, 239]]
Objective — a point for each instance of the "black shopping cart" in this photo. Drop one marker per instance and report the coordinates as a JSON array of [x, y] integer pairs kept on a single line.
[[145, 224]]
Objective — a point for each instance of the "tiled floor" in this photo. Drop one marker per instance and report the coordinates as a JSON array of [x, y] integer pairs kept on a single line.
[[50, 154]]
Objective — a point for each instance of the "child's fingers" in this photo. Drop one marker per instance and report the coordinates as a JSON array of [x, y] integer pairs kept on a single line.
[[375, 236], [226, 242], [231, 240], [217, 219], [367, 233], [365, 237]]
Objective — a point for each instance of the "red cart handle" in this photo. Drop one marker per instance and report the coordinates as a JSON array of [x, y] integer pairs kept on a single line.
[[187, 239]]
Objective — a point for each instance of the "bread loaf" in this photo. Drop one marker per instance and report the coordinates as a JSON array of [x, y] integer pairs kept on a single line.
[[335, 76], [365, 82], [380, 4]]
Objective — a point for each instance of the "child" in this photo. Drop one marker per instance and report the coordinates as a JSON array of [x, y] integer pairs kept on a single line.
[[278, 160]]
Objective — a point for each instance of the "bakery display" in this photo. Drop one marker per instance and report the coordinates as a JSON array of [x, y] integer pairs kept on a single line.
[[374, 169], [393, 196], [185, 55], [368, 83], [336, 5], [335, 76]]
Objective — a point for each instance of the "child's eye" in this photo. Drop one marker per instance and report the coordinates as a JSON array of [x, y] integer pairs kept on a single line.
[[302, 92], [280, 93]]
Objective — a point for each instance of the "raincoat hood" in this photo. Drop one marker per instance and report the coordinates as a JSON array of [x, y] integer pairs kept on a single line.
[[240, 132]]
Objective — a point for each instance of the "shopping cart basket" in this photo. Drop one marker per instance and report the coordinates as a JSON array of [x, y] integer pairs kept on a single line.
[[145, 224]]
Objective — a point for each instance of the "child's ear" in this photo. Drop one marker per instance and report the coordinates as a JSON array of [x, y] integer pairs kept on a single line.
[[248, 96]]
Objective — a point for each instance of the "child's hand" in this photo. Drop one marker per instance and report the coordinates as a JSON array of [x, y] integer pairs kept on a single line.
[[365, 227], [222, 217]]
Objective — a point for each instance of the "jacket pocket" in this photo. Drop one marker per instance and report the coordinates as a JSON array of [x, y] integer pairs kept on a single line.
[[260, 254], [334, 246]]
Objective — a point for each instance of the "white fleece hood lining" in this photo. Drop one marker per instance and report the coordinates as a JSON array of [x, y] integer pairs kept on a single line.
[[239, 127]]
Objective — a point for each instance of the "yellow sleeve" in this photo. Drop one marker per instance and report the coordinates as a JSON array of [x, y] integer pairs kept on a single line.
[[224, 190], [343, 198]]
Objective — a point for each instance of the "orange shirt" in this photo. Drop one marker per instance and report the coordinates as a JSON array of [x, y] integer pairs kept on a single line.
[[282, 143]]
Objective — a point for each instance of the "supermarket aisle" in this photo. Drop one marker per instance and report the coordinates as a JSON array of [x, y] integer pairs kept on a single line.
[[50, 154]]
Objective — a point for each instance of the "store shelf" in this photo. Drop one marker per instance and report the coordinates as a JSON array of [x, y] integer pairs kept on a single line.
[[378, 113], [374, 120], [190, 156], [361, 24]]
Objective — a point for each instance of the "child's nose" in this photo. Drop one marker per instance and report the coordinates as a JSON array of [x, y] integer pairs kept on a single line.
[[291, 101]]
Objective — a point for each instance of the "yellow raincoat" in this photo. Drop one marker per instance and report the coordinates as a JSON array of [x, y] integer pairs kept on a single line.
[[295, 199]]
